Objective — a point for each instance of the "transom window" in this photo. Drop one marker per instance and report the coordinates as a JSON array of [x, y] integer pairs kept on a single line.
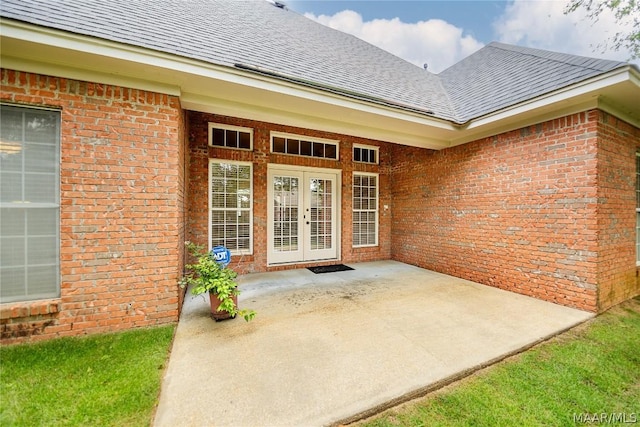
[[304, 146], [230, 136], [365, 154], [230, 202], [365, 209], [29, 204]]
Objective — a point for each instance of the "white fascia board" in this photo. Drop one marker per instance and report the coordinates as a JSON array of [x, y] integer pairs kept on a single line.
[[181, 69], [49, 69]]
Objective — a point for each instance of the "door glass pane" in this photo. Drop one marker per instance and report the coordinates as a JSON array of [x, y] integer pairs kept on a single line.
[[285, 213], [321, 214]]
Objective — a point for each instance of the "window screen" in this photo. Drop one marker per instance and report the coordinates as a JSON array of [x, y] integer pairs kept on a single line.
[[29, 204]]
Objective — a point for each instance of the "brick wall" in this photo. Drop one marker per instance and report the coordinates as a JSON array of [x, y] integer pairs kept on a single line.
[[522, 211], [200, 153], [618, 143], [121, 208], [546, 211]]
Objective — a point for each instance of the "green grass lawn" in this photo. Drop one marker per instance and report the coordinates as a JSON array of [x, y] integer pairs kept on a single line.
[[114, 380], [592, 369], [101, 380]]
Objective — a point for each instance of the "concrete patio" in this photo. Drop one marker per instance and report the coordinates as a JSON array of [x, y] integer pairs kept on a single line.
[[329, 348]]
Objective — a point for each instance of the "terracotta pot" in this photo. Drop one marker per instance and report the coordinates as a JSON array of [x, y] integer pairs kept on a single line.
[[215, 303]]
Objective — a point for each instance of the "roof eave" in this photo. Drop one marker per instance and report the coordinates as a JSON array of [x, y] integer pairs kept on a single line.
[[225, 90], [615, 91], [235, 91]]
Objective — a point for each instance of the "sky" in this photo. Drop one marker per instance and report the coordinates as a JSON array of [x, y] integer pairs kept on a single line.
[[440, 33]]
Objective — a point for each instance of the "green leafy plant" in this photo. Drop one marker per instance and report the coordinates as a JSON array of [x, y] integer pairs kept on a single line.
[[206, 275]]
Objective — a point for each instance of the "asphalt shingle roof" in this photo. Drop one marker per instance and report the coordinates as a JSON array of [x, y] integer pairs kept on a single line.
[[500, 75], [257, 34]]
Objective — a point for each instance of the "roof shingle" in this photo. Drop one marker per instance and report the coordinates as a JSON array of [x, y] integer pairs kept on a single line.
[[258, 35], [501, 75]]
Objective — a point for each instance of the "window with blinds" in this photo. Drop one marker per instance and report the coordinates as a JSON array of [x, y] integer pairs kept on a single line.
[[230, 201], [29, 204], [365, 209]]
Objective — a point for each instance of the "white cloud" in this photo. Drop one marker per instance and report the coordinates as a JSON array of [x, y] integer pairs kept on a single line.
[[434, 42], [544, 25], [534, 23]]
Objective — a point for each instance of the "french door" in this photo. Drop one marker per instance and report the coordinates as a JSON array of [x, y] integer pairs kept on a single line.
[[302, 215]]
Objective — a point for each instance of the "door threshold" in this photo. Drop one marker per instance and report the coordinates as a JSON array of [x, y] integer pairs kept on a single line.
[[303, 264]]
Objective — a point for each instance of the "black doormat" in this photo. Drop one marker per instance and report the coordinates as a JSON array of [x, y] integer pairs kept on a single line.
[[329, 268]]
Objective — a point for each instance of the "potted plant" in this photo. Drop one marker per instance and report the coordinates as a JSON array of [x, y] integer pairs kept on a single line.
[[206, 275]]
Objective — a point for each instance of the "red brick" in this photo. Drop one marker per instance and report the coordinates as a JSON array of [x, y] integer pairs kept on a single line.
[[451, 207], [547, 210], [92, 110]]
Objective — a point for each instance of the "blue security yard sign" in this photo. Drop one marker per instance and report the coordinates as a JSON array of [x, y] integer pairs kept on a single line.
[[222, 255]]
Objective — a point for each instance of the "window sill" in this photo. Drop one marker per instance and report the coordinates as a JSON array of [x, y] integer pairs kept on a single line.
[[22, 309]]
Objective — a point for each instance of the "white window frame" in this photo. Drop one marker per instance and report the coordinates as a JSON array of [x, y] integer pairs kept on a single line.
[[249, 209], [24, 204], [213, 126], [376, 210], [334, 142], [374, 148]]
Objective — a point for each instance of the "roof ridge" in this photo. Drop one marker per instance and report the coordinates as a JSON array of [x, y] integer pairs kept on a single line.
[[457, 116]]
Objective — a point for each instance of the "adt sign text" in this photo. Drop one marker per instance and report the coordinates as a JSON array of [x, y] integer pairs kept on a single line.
[[222, 255]]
